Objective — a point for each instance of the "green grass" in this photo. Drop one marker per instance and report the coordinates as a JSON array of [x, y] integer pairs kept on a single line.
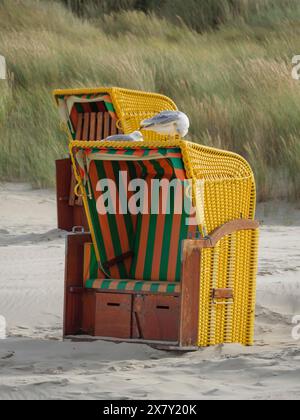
[[234, 82]]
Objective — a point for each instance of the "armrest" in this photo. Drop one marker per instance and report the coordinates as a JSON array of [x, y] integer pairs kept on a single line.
[[224, 230]]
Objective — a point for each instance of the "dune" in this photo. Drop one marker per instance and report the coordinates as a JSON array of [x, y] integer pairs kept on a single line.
[[36, 364]]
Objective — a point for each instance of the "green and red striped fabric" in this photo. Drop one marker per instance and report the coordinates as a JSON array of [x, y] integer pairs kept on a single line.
[[95, 279], [90, 264], [158, 239], [155, 238], [114, 232]]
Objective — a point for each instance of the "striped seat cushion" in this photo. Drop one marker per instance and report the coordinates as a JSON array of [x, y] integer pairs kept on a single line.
[[94, 279], [133, 286]]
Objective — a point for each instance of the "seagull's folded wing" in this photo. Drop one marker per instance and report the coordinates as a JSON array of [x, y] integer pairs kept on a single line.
[[164, 118], [119, 137]]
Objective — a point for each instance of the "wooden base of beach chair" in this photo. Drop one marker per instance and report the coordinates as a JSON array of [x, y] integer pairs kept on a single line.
[[116, 315], [130, 316], [173, 319]]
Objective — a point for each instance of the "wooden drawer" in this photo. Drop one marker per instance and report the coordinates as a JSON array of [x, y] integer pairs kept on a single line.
[[156, 317], [113, 315]]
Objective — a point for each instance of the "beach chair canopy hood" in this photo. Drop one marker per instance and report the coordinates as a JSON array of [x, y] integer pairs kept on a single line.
[[107, 111]]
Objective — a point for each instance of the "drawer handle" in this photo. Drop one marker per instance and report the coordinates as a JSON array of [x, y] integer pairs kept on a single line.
[[113, 304], [162, 307]]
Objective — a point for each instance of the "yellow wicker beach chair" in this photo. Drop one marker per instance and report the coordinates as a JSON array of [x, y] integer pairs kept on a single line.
[[179, 279]]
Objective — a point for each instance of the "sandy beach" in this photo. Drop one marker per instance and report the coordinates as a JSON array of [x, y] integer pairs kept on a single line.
[[36, 364]]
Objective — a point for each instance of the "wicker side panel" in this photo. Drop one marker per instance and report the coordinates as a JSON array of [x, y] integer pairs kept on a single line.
[[226, 200], [231, 264], [208, 162], [134, 106], [224, 184]]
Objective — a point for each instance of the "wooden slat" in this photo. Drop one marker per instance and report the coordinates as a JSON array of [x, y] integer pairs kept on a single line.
[[93, 127], [106, 125], [190, 292], [86, 123], [72, 196], [88, 312], [68, 215], [63, 180], [99, 126], [96, 127], [73, 278], [79, 217], [113, 129], [79, 127]]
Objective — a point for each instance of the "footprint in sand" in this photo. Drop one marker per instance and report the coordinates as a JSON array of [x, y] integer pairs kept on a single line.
[[9, 355]]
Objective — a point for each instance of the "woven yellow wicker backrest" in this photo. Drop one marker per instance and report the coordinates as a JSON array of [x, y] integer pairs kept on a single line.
[[134, 106]]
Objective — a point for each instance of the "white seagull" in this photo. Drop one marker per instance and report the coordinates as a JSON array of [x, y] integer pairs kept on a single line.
[[169, 123], [135, 136]]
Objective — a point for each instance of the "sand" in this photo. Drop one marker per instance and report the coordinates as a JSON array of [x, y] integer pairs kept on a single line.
[[36, 364]]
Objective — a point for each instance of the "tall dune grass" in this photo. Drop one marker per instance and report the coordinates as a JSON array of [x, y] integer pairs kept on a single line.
[[235, 83], [199, 15]]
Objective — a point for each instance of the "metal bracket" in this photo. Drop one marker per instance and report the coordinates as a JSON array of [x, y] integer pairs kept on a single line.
[[78, 229], [219, 294]]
